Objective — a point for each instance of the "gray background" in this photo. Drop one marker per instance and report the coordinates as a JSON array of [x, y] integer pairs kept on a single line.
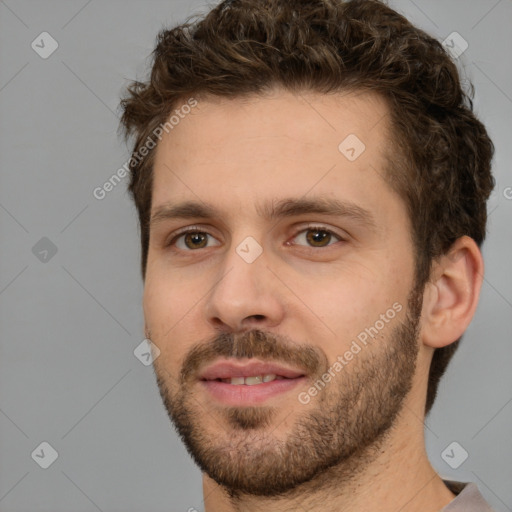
[[70, 324]]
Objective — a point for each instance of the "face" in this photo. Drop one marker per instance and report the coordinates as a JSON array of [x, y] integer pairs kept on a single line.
[[279, 287]]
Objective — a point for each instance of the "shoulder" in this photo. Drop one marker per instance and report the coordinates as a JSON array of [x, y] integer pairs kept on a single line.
[[468, 498]]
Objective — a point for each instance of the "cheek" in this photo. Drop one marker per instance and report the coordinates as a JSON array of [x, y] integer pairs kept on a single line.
[[349, 300], [170, 313], [164, 312], [161, 318], [164, 299], [155, 303], [346, 311]]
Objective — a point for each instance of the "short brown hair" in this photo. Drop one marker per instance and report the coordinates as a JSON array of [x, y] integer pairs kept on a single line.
[[442, 168]]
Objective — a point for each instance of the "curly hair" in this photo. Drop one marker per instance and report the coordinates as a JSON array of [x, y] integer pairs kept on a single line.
[[442, 167]]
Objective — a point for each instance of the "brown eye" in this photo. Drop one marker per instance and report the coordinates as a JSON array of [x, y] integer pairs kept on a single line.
[[317, 237], [192, 239], [196, 240]]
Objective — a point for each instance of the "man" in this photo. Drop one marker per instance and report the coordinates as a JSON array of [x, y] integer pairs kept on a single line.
[[311, 185]]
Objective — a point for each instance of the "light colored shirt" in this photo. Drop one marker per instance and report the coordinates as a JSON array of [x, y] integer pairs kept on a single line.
[[468, 498]]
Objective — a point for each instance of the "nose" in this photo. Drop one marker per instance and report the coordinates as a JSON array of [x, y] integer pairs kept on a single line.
[[244, 296]]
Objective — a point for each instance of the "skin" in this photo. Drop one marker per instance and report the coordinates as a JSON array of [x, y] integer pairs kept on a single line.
[[234, 155]]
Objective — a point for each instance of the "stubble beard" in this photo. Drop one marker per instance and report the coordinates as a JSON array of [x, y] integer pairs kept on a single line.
[[333, 440]]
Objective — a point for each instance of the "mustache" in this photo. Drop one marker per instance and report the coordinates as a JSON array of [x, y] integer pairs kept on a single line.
[[253, 344]]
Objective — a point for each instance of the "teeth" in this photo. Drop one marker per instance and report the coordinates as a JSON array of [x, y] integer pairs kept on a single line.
[[251, 381]]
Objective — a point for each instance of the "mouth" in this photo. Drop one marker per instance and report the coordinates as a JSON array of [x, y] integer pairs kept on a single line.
[[247, 384], [250, 381]]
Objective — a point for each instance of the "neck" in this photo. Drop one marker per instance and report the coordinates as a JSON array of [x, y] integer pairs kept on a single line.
[[392, 475]]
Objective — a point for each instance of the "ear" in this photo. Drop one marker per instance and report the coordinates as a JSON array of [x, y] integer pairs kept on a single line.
[[451, 295]]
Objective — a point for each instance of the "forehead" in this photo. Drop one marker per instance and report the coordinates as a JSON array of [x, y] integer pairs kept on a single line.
[[230, 152]]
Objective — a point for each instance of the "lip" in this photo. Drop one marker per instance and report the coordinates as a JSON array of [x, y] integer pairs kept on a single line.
[[226, 369], [245, 395]]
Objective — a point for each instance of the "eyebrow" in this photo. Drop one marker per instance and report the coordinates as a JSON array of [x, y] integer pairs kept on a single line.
[[271, 210]]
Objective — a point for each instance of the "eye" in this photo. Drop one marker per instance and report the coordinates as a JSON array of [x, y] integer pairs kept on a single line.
[[317, 236], [190, 239]]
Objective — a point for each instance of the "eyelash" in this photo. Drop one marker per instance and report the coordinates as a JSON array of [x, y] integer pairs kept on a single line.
[[197, 229]]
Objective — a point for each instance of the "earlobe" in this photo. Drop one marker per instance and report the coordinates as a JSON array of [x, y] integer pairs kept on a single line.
[[451, 297]]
